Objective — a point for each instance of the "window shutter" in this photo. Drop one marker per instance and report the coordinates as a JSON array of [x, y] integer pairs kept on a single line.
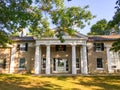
[[18, 47], [26, 46], [102, 46], [94, 47], [64, 47], [56, 47]]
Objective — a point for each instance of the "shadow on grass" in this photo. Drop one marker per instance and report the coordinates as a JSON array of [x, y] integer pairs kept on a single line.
[[27, 82], [104, 82], [13, 86], [12, 82]]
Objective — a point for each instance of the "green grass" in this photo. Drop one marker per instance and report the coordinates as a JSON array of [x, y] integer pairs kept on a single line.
[[29, 82]]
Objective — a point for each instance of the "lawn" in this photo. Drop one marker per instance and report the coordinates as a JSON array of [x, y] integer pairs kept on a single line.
[[30, 82]]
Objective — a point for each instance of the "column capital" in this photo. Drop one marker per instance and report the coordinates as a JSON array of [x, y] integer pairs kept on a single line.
[[37, 45], [48, 44], [74, 44]]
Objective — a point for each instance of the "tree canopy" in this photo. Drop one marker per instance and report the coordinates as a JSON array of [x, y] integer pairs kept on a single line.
[[38, 15], [100, 28], [116, 21]]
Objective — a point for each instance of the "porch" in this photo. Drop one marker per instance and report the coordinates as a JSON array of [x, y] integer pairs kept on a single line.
[[54, 57]]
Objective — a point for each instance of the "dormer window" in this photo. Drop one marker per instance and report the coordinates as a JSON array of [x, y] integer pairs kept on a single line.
[[98, 47], [60, 47]]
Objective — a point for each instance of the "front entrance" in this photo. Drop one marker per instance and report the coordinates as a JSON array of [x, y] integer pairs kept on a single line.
[[60, 65]]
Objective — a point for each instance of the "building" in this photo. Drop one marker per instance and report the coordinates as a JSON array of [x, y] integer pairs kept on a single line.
[[79, 54]]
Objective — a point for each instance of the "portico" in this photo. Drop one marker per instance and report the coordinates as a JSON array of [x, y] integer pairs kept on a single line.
[[54, 57]]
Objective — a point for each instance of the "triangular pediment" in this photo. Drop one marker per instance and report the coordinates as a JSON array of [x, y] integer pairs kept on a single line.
[[75, 35]]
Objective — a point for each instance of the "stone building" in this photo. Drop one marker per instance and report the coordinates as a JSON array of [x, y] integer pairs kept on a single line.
[[79, 54]]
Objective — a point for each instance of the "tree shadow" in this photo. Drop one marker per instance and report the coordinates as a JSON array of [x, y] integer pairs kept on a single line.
[[102, 82], [9, 82], [27, 82]]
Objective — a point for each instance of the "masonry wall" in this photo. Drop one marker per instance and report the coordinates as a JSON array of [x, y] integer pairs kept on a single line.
[[29, 59], [5, 54], [92, 58]]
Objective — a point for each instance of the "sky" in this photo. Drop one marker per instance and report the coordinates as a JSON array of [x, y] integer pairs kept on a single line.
[[100, 8]]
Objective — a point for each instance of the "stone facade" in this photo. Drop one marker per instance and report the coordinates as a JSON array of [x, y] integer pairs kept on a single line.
[[77, 55]]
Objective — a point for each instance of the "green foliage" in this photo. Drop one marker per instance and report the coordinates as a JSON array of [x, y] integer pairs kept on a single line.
[[116, 17], [116, 46], [100, 28], [116, 22], [66, 18], [4, 39], [36, 15]]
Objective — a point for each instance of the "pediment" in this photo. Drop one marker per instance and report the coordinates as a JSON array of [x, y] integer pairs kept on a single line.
[[76, 35]]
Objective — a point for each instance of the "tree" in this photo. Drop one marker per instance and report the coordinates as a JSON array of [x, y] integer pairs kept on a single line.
[[37, 15], [116, 17], [100, 28], [14, 15], [116, 22]]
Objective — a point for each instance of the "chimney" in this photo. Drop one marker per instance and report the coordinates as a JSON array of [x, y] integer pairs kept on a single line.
[[22, 33], [113, 32]]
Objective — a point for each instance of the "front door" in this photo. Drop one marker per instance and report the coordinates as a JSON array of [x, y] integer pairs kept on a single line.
[[60, 65]]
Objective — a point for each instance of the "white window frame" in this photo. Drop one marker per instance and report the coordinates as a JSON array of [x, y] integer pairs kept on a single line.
[[23, 47], [98, 47], [97, 64], [20, 68]]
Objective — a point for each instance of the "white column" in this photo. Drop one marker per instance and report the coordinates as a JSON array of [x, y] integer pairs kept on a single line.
[[37, 60], [47, 59], [12, 63], [109, 60], [73, 59], [84, 67]]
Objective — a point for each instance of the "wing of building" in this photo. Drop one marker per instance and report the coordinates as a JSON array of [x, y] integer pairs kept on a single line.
[[79, 54]]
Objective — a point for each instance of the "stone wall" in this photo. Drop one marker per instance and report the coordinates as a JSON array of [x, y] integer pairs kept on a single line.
[[5, 54], [92, 58]]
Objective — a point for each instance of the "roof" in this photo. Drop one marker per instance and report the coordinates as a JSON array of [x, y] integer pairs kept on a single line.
[[103, 38], [90, 38], [26, 38]]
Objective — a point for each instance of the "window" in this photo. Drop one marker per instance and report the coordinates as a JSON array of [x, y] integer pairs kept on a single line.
[[77, 63], [44, 63], [22, 63], [60, 63], [60, 47], [99, 46], [115, 59], [99, 63], [23, 47], [2, 63]]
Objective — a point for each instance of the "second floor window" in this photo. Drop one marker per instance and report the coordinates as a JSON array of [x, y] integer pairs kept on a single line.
[[23, 47], [60, 47], [99, 47]]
